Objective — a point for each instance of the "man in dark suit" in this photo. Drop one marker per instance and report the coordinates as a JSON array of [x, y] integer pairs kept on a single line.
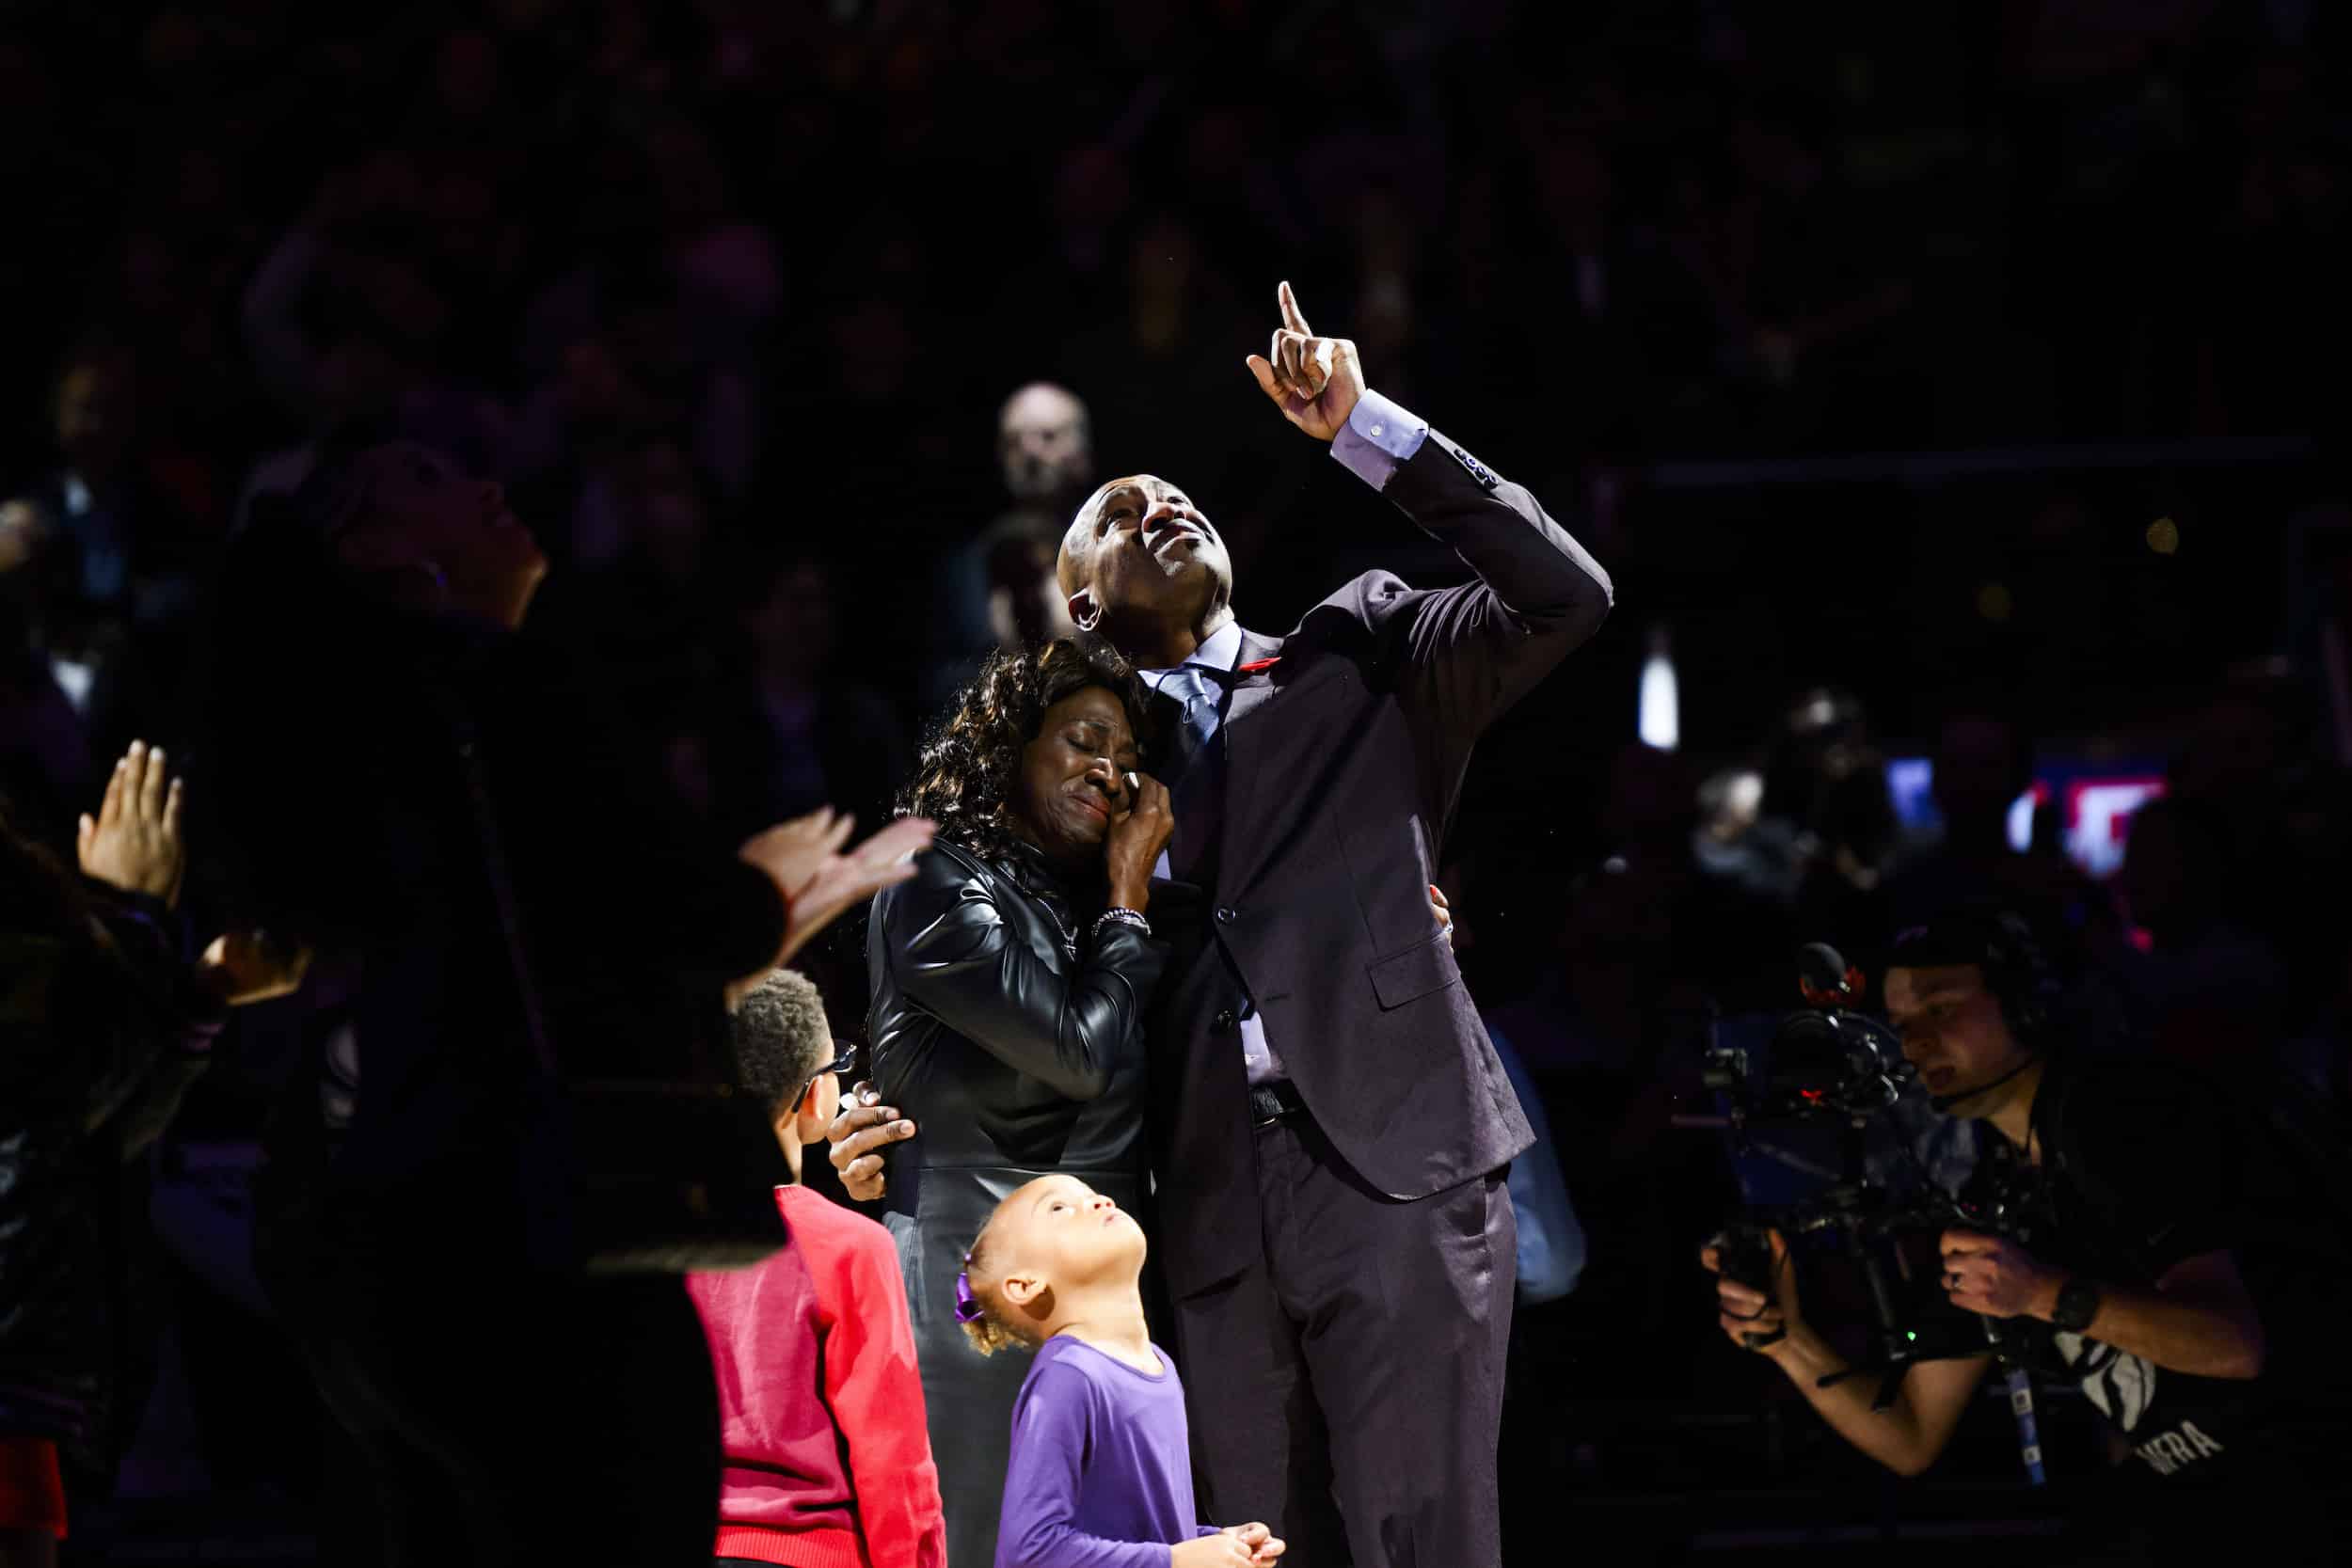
[[1333, 1124]]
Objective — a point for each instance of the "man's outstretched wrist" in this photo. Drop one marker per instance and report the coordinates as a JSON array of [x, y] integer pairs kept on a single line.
[[1378, 437]]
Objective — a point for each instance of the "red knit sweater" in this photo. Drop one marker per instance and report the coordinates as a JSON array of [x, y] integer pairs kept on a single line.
[[828, 1465]]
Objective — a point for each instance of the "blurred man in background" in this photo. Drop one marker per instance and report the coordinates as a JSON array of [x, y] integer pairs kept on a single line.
[[999, 590]]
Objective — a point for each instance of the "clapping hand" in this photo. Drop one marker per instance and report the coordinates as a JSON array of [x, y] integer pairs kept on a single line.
[[245, 967], [1313, 381], [133, 842], [804, 859]]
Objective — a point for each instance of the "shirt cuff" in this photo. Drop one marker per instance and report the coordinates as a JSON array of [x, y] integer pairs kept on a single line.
[[1378, 436]]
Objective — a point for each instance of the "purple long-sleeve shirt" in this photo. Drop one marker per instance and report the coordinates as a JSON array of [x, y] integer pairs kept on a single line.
[[1100, 1475]]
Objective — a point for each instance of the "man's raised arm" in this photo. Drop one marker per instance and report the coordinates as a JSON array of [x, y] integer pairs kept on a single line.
[[1539, 593]]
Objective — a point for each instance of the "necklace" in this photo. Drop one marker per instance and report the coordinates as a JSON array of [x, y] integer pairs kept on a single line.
[[1029, 878], [1069, 940]]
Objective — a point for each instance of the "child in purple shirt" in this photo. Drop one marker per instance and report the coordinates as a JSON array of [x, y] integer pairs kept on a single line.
[[1100, 1473]]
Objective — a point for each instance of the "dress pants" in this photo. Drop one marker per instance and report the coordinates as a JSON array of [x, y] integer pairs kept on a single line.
[[1347, 1388]]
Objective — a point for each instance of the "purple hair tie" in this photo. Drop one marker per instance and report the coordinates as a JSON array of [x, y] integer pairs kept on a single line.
[[968, 1309]]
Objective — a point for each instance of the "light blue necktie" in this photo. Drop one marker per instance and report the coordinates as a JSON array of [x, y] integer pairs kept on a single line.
[[1198, 692], [1193, 780]]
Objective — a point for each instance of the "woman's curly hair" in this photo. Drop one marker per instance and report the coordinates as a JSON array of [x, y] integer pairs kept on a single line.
[[965, 774]]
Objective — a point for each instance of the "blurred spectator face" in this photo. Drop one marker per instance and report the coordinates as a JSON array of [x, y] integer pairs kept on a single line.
[[416, 511], [1729, 803], [94, 412], [1951, 1027], [1856, 813], [23, 532], [1799, 772], [1041, 439]]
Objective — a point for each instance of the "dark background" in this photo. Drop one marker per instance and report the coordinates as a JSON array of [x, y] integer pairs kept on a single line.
[[1963, 357]]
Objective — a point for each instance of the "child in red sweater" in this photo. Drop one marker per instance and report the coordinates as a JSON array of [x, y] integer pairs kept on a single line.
[[828, 1465]]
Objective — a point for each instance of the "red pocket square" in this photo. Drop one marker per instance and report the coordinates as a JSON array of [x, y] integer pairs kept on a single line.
[[1257, 664]]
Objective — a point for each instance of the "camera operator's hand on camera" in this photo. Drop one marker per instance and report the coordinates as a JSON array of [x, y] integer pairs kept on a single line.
[[1994, 1278], [1742, 1309]]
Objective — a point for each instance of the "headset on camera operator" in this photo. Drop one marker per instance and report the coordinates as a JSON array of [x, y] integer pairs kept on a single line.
[[2140, 1183]]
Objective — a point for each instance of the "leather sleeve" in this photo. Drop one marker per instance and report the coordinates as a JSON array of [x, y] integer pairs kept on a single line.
[[953, 955]]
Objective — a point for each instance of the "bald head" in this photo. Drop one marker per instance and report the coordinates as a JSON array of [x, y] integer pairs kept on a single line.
[[1144, 565], [1044, 442]]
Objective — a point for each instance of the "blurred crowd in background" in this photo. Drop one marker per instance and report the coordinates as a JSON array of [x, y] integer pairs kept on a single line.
[[1951, 390]]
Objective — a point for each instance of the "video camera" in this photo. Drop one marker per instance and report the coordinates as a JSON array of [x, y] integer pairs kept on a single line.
[[1831, 1062], [1825, 1060]]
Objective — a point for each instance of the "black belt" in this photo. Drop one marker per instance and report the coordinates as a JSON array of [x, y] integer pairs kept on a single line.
[[1271, 1101]]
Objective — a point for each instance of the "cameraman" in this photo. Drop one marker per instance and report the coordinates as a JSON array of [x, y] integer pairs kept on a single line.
[[2134, 1182]]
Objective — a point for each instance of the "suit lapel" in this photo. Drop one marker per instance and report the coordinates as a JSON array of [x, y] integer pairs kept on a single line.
[[1244, 734]]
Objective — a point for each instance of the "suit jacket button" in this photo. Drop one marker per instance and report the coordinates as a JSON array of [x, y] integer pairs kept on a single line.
[[1225, 914], [1225, 1020]]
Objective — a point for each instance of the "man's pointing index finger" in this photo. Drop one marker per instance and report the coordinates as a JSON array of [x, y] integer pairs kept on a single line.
[[1291, 317]]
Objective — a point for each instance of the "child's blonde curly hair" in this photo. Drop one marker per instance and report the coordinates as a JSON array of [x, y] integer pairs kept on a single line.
[[987, 1319]]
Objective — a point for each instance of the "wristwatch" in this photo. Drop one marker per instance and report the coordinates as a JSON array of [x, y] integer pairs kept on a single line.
[[2077, 1303]]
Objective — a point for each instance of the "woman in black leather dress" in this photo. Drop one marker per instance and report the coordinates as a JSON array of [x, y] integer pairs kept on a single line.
[[1009, 1005]]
